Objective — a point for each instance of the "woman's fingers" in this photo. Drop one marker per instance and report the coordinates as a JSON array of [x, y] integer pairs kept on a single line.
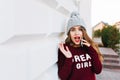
[[61, 45], [85, 42], [67, 48], [66, 51]]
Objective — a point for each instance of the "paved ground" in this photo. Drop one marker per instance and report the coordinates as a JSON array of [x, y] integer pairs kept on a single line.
[[108, 74]]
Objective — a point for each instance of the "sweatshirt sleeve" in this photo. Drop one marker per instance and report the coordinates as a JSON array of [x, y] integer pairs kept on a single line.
[[64, 66], [96, 63]]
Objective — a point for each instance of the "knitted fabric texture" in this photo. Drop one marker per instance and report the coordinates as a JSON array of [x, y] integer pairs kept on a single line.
[[75, 20]]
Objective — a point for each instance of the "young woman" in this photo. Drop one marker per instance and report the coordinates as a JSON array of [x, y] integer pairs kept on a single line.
[[78, 58]]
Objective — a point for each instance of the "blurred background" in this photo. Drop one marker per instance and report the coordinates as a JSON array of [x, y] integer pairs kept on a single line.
[[30, 31]]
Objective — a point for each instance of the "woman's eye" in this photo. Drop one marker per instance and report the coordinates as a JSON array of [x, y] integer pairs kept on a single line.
[[75, 29], [72, 30], [80, 29]]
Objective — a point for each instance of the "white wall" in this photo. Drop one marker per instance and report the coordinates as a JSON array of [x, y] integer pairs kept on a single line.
[[85, 12], [27, 57], [6, 19], [30, 31]]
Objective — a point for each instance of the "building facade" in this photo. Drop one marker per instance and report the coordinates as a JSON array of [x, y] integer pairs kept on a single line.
[[30, 31]]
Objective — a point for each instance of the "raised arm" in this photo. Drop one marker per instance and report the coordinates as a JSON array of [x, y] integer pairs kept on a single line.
[[64, 62]]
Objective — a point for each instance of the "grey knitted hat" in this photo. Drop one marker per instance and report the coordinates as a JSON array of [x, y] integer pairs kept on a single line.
[[75, 20]]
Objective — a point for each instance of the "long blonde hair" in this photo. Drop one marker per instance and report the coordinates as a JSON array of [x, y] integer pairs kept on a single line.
[[87, 38]]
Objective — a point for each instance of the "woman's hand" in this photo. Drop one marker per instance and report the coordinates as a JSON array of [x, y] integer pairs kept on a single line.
[[86, 43], [66, 52]]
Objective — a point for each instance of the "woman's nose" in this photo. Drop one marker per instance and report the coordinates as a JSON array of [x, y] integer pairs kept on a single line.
[[76, 32]]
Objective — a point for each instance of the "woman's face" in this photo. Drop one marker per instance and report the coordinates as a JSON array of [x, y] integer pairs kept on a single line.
[[76, 35]]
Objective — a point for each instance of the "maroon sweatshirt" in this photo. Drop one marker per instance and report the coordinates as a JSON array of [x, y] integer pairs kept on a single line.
[[82, 66]]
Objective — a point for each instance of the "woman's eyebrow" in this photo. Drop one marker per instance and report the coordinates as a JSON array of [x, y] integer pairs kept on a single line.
[[72, 28]]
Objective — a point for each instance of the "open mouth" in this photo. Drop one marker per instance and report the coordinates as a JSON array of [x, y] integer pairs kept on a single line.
[[77, 39]]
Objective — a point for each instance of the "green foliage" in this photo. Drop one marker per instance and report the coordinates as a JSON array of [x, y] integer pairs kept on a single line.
[[97, 33], [110, 37]]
